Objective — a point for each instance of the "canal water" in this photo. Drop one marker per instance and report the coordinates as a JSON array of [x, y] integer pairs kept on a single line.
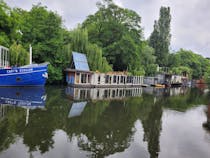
[[64, 122]]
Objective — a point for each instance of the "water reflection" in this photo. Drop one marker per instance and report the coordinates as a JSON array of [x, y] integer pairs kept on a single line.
[[206, 125], [102, 93], [16, 104], [31, 97], [120, 93], [131, 124]]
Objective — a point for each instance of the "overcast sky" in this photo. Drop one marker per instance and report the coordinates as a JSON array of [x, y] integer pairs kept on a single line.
[[189, 26]]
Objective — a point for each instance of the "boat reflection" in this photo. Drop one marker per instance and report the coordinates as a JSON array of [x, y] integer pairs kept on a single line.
[[166, 91], [27, 97], [24, 97], [120, 93], [82, 96]]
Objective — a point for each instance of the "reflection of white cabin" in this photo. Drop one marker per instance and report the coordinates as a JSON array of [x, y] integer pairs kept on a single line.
[[119, 93], [4, 57], [103, 93], [79, 75]]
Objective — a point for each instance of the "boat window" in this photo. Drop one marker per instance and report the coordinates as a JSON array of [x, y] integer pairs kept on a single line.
[[105, 93], [97, 93], [107, 79], [99, 79], [83, 78], [128, 79], [110, 79], [113, 93], [115, 79], [18, 79], [121, 79]]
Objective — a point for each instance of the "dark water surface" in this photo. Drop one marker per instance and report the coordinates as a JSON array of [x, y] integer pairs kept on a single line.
[[62, 122]]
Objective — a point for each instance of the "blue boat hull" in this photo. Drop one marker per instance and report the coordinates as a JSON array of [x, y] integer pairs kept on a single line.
[[30, 97], [24, 76]]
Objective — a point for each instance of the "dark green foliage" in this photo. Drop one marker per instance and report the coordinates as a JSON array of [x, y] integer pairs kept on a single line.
[[207, 72], [118, 32], [179, 70], [79, 43], [18, 55], [42, 29], [187, 61], [174, 60], [160, 37], [5, 24], [207, 75], [148, 59]]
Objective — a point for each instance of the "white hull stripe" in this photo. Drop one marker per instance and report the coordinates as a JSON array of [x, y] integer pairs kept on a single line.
[[18, 73], [19, 100]]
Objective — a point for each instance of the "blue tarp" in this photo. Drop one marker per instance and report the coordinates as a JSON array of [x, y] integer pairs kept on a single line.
[[80, 61]]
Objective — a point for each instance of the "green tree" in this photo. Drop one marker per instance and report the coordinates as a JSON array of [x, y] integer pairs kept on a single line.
[[187, 61], [18, 55], [191, 60], [160, 37], [79, 43], [174, 60], [43, 30], [118, 32], [5, 24], [207, 73], [148, 59], [79, 40], [181, 69]]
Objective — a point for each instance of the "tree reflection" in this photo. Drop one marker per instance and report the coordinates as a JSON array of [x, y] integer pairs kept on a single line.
[[114, 129], [11, 126], [39, 131], [110, 131], [103, 127], [206, 125], [152, 128]]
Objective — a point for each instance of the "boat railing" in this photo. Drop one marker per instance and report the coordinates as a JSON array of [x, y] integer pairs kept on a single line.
[[34, 65]]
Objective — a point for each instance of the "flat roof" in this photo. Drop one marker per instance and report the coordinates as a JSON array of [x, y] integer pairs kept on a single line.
[[4, 47], [74, 70]]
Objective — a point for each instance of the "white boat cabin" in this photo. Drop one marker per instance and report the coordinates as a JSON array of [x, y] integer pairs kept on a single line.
[[79, 74]]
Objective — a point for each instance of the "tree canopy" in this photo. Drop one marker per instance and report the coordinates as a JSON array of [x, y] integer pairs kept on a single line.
[[160, 37], [194, 64], [118, 31]]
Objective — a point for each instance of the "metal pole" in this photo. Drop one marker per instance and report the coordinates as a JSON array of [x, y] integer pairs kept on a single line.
[[30, 55]]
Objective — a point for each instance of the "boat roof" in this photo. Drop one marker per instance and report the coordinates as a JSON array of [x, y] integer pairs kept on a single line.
[[34, 65], [80, 61], [4, 47]]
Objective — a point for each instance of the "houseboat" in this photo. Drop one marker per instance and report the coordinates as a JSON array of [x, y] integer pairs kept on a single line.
[[79, 75], [28, 75], [166, 80]]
